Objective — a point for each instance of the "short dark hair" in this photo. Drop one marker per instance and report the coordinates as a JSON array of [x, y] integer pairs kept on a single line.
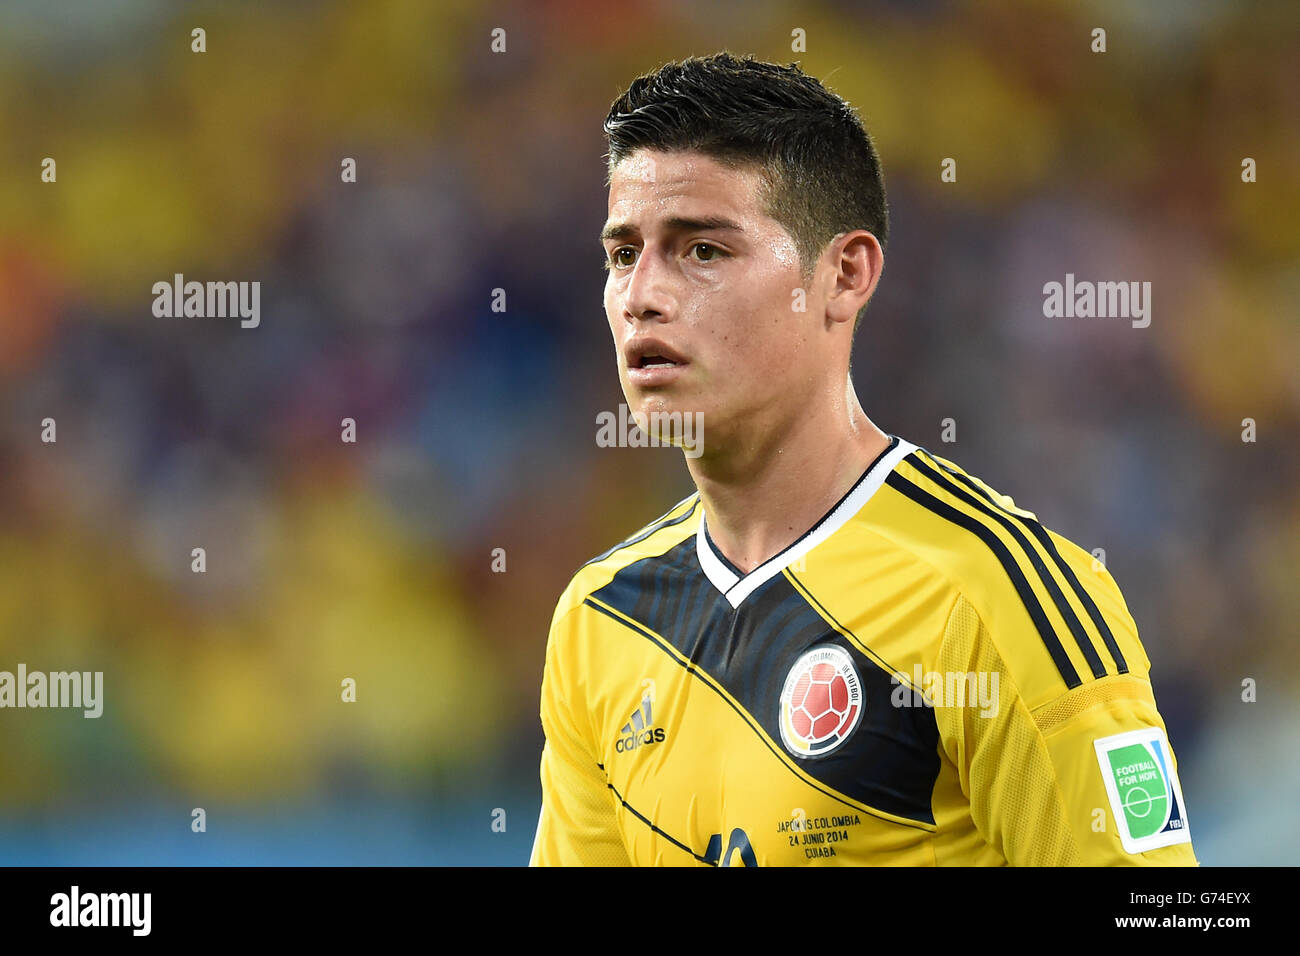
[[820, 172]]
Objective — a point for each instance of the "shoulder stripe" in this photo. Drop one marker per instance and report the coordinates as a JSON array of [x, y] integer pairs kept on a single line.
[[985, 534], [1071, 619], [663, 521], [1039, 532]]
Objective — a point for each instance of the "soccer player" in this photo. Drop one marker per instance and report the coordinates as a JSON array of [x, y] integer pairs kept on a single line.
[[842, 648]]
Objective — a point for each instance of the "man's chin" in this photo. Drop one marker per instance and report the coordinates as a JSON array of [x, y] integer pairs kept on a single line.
[[671, 423]]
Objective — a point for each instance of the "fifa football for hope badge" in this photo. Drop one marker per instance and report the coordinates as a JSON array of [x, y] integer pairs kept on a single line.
[[821, 701], [1145, 796]]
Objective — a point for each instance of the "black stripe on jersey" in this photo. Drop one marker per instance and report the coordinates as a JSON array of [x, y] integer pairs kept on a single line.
[[980, 530], [657, 525], [889, 763], [1038, 531], [1071, 619], [708, 682], [648, 822]]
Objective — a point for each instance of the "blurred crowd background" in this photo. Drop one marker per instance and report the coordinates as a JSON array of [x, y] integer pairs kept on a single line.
[[481, 170]]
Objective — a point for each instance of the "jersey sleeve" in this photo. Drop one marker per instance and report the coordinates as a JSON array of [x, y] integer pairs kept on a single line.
[[577, 826], [1085, 777]]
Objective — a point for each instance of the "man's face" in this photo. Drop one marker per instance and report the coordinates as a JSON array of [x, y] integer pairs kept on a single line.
[[701, 297]]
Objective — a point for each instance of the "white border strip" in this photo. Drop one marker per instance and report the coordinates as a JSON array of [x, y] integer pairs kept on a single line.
[[723, 577], [735, 589], [537, 834]]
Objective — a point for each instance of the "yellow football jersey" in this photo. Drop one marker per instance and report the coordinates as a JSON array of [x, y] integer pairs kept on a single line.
[[928, 676]]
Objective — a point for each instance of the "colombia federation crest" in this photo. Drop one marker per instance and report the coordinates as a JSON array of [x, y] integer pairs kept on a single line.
[[821, 701]]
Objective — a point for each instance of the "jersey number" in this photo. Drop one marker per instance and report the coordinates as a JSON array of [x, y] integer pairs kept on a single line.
[[739, 840]]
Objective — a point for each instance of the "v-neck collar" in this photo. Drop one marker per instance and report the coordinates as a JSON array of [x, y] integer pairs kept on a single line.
[[735, 587]]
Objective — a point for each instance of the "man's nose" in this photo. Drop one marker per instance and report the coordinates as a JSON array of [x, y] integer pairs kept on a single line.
[[648, 295]]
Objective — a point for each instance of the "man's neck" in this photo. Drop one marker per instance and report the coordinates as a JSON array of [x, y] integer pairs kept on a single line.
[[762, 496]]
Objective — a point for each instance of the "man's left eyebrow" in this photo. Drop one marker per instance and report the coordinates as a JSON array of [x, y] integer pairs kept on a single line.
[[675, 224]]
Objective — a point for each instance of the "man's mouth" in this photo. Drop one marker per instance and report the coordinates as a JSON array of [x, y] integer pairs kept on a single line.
[[651, 353], [652, 363]]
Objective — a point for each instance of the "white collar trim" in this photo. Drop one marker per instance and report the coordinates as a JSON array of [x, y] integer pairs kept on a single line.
[[736, 588]]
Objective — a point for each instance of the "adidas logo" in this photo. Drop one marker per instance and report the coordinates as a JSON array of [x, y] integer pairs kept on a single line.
[[637, 732]]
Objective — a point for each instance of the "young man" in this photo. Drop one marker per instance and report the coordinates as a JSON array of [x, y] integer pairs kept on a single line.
[[842, 649]]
